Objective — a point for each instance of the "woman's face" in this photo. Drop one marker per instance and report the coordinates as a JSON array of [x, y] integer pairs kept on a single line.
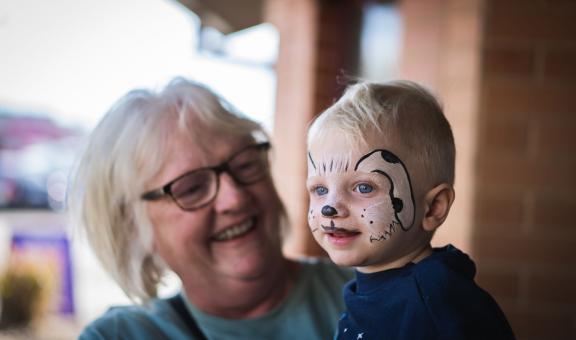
[[234, 237]]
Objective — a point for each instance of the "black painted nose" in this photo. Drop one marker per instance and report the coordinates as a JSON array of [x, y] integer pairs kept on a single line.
[[328, 211]]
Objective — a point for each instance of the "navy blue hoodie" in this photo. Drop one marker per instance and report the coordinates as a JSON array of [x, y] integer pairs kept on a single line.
[[435, 298]]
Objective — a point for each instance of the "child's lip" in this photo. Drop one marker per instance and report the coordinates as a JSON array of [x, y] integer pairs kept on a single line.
[[342, 237], [343, 234], [337, 232]]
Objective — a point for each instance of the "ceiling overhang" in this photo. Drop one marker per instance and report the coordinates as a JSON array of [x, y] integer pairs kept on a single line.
[[227, 16]]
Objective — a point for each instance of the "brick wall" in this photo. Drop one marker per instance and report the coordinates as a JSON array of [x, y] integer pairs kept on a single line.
[[524, 236], [506, 71]]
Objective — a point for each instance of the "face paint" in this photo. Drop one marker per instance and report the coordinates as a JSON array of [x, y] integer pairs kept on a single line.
[[311, 218], [387, 164], [384, 213], [358, 206], [337, 164], [381, 221]]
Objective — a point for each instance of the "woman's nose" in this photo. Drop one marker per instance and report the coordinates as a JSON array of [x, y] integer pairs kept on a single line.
[[231, 196]]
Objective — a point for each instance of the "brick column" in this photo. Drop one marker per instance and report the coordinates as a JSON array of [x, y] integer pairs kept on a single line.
[[442, 51], [318, 39]]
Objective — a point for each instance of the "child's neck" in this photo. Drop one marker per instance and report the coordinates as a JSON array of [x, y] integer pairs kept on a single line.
[[413, 256]]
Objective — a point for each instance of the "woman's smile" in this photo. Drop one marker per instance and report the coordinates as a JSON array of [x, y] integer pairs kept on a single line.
[[235, 231]]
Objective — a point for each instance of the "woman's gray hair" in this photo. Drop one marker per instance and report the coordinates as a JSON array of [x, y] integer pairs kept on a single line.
[[123, 153], [401, 112]]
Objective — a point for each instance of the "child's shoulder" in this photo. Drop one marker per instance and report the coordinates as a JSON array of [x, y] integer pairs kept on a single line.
[[453, 299], [448, 273], [446, 264]]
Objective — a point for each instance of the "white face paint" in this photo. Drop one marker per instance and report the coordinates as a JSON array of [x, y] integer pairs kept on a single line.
[[387, 164], [361, 203]]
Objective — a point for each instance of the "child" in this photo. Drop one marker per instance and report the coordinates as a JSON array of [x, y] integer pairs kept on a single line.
[[380, 179]]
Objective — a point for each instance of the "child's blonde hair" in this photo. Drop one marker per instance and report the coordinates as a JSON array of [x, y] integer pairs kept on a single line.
[[402, 112]]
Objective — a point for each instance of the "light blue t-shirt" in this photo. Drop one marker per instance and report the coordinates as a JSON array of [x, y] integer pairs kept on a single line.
[[310, 311]]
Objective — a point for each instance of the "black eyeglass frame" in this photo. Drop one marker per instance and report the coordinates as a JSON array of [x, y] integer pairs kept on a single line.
[[166, 189]]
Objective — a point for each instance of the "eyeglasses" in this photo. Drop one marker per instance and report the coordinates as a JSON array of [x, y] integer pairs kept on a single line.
[[197, 188]]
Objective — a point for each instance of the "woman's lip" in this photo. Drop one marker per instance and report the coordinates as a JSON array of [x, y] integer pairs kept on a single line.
[[236, 231]]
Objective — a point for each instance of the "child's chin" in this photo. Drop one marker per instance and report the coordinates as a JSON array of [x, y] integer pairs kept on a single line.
[[343, 261]]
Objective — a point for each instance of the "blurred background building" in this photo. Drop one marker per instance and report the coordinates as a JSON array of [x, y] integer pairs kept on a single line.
[[505, 71]]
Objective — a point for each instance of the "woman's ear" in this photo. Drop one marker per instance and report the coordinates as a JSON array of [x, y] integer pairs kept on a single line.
[[437, 205]]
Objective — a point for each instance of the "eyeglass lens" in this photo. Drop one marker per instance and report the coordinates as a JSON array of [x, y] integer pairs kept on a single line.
[[200, 187], [195, 188]]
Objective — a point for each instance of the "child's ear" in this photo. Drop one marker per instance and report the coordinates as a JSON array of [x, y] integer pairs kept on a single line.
[[437, 205]]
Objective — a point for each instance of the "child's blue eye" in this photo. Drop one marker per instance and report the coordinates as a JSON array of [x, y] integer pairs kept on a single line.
[[364, 188], [320, 190]]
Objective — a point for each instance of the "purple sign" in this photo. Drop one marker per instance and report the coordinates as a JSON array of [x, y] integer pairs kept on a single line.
[[50, 253]]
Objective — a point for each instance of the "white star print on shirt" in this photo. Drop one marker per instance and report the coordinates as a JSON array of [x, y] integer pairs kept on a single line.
[[360, 336]]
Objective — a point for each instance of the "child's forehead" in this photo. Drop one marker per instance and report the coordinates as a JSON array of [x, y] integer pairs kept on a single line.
[[335, 154], [342, 146], [328, 160]]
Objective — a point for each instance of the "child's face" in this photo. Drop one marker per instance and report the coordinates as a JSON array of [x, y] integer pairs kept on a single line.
[[361, 203]]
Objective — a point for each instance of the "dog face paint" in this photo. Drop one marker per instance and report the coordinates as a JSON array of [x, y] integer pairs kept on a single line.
[[387, 164], [360, 203]]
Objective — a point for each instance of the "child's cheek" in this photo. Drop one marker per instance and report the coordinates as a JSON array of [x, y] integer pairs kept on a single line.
[[378, 215], [313, 220]]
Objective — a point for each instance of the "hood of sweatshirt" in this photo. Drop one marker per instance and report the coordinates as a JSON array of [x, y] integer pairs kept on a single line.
[[447, 258]]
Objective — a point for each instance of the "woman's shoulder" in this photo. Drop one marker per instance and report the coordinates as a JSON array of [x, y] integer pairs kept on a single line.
[[321, 268], [157, 320]]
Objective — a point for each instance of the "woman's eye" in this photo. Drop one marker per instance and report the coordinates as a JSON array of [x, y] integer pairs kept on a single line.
[[320, 190], [364, 188]]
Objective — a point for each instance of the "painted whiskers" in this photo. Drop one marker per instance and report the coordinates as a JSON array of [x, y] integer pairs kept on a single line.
[[386, 234]]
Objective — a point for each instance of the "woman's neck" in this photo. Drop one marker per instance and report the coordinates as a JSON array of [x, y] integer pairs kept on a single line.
[[244, 298]]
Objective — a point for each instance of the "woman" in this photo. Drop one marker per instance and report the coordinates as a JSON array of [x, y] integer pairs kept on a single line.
[[177, 181]]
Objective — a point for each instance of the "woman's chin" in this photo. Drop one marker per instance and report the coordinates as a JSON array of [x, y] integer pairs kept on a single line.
[[251, 265]]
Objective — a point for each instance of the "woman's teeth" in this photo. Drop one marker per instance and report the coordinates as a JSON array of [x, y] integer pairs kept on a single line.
[[235, 231]]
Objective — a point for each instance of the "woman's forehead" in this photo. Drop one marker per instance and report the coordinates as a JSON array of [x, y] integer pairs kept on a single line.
[[186, 152]]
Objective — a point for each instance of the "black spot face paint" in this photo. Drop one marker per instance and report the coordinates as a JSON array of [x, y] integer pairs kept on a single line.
[[329, 211], [390, 157]]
